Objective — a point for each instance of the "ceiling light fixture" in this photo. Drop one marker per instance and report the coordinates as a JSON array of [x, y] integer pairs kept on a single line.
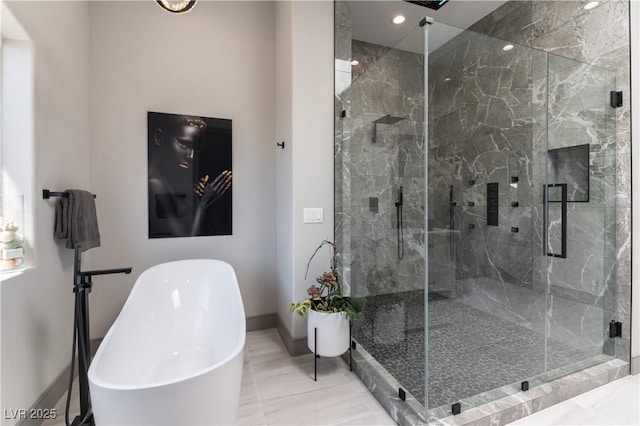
[[398, 19], [355, 62], [177, 6], [591, 5], [508, 47]]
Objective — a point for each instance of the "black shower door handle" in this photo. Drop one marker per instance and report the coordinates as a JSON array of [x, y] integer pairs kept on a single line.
[[563, 230]]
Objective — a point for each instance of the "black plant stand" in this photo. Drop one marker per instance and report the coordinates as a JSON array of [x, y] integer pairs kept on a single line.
[[316, 356]]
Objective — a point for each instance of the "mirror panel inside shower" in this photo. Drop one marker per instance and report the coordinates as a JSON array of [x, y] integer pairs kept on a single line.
[[491, 307]]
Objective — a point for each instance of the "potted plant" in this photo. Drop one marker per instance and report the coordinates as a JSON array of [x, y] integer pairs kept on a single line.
[[328, 309]]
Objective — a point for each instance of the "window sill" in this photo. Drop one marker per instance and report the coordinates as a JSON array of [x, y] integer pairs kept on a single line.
[[9, 275]]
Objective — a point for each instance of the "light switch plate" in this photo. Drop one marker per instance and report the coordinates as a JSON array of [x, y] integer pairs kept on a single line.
[[313, 215]]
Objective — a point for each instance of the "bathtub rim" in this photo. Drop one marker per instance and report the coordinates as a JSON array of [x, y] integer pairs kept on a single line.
[[158, 384]]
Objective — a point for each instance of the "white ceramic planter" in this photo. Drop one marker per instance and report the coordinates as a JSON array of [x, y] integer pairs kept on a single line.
[[332, 333]]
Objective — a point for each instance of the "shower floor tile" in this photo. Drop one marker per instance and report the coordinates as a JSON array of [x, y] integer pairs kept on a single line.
[[470, 351]]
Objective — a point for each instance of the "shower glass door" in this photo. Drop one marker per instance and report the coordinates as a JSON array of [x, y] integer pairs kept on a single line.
[[579, 227], [381, 189], [486, 327]]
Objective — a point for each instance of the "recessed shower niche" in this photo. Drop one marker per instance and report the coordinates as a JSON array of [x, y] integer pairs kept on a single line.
[[478, 303], [570, 165]]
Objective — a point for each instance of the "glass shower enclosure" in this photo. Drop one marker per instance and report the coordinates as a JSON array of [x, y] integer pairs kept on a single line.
[[475, 214]]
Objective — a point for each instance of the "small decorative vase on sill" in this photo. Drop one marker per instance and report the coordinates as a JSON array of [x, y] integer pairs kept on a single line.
[[329, 311], [11, 246]]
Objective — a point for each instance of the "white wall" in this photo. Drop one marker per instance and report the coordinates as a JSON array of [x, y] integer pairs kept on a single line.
[[305, 46], [36, 311], [313, 153], [98, 69], [284, 162], [215, 61]]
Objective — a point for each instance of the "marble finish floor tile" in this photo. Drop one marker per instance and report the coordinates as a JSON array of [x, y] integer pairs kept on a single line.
[[616, 403], [339, 398], [278, 389], [74, 407], [289, 396]]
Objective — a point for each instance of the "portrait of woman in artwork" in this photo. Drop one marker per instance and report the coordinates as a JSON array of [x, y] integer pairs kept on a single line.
[[189, 164]]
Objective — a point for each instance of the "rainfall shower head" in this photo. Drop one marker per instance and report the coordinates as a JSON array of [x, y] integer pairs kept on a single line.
[[431, 4], [386, 119]]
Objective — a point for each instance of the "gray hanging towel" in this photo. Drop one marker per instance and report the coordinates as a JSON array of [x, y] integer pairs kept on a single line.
[[77, 221]]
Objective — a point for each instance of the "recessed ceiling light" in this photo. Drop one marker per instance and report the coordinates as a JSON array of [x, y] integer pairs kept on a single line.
[[508, 47], [398, 19], [447, 79], [355, 62], [591, 5]]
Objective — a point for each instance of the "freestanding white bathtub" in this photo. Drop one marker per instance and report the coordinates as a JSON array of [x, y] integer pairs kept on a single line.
[[174, 355]]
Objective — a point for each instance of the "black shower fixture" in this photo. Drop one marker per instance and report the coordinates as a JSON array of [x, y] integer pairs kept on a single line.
[[399, 223], [432, 4], [386, 119]]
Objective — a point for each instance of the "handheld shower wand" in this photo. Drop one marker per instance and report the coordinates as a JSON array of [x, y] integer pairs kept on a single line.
[[451, 223], [399, 223]]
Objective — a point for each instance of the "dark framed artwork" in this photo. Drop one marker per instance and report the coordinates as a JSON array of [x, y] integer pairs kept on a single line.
[[189, 164]]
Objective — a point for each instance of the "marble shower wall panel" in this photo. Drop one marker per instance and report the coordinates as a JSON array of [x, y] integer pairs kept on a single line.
[[555, 15], [481, 131], [597, 37], [512, 303], [397, 150], [586, 36], [578, 96], [621, 272], [584, 332], [442, 261], [510, 22], [386, 82], [342, 26], [472, 252], [584, 268], [390, 81], [579, 111], [342, 137]]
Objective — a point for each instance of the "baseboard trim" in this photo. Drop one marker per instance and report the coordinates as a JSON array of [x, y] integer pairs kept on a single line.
[[50, 397], [52, 394], [295, 347], [635, 365], [261, 322]]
